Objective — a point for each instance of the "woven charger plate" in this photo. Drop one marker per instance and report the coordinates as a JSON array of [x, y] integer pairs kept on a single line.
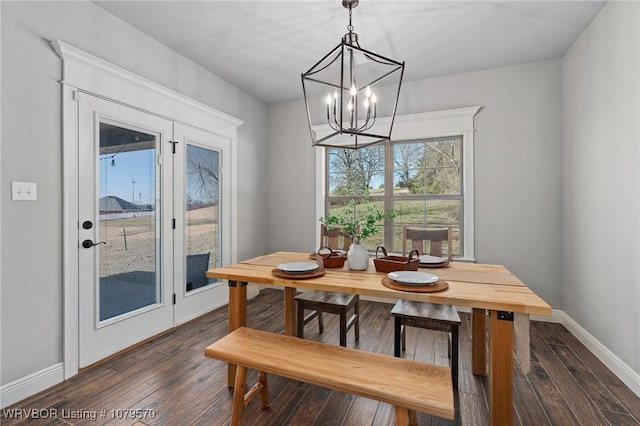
[[440, 285], [313, 274]]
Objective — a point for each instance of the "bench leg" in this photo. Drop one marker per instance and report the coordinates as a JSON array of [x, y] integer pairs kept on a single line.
[[241, 400], [259, 388], [405, 417], [264, 393], [238, 395]]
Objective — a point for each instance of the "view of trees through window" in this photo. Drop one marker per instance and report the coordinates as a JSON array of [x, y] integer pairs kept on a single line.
[[421, 180]]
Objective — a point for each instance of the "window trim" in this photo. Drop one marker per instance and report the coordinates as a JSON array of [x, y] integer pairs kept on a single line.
[[436, 124]]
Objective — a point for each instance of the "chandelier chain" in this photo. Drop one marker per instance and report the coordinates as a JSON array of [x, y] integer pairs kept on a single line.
[[350, 27]]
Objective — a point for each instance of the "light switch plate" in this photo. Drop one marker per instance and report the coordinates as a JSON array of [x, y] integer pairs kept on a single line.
[[23, 191]]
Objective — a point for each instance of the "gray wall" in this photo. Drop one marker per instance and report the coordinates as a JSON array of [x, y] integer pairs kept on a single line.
[[291, 180], [31, 329], [518, 151], [601, 225]]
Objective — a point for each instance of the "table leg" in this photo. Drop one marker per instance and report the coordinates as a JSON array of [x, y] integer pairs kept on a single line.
[[290, 311], [501, 368], [237, 317], [479, 342]]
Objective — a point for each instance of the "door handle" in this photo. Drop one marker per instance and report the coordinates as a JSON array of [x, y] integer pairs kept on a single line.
[[89, 243]]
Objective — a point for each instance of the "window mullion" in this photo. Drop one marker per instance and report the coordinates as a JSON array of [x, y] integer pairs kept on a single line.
[[388, 194]]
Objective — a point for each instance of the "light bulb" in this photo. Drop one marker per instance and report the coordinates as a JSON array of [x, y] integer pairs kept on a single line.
[[335, 95], [329, 100], [366, 103], [353, 90], [368, 92], [373, 98], [350, 106]]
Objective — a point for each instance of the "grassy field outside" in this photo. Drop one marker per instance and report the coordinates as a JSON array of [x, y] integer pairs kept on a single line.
[[131, 242], [419, 214]]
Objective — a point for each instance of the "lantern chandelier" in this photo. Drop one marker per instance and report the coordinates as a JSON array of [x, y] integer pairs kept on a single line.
[[351, 94]]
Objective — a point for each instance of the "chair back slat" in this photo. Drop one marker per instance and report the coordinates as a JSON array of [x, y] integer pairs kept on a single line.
[[435, 248], [435, 237], [331, 238]]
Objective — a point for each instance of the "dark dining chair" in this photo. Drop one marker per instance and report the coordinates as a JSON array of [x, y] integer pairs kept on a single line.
[[319, 302], [429, 316]]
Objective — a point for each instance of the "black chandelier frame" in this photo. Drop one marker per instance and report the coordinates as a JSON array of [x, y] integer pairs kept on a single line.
[[348, 46]]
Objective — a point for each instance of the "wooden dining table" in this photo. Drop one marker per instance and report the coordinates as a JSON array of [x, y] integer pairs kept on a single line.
[[494, 294]]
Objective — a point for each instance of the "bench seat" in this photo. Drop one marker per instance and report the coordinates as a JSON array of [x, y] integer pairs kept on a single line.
[[408, 385]]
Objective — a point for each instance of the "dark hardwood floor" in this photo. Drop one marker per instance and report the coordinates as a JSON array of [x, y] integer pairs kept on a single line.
[[170, 380]]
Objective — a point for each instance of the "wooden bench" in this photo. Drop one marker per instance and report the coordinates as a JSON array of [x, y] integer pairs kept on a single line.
[[409, 386]]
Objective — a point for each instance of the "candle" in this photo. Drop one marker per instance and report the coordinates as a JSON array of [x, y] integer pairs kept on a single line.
[[328, 104]]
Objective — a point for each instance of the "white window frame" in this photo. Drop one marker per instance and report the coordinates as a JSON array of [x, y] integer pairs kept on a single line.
[[437, 124]]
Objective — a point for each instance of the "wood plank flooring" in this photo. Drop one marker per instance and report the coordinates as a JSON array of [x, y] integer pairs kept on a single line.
[[172, 380]]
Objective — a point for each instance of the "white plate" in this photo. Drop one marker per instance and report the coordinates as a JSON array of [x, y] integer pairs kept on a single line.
[[413, 277], [431, 259], [298, 267]]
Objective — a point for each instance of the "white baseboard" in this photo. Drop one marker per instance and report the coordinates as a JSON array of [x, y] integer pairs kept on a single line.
[[31, 384], [625, 373]]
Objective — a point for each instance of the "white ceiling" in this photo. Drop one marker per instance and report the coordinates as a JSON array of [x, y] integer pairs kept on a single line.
[[262, 47]]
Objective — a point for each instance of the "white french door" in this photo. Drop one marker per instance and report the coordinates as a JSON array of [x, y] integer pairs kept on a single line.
[[124, 203], [151, 210]]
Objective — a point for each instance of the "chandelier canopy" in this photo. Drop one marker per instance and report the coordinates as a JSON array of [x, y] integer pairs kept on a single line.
[[351, 94]]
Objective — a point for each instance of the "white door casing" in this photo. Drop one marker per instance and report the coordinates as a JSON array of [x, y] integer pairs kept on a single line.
[[83, 73]]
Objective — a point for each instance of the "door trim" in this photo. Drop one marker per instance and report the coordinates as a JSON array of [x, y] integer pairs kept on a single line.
[[85, 73]]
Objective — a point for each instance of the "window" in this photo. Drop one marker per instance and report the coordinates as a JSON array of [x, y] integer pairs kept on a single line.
[[427, 185], [425, 176]]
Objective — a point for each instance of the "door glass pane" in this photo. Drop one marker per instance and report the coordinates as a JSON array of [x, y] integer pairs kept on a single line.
[[128, 207], [202, 202]]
